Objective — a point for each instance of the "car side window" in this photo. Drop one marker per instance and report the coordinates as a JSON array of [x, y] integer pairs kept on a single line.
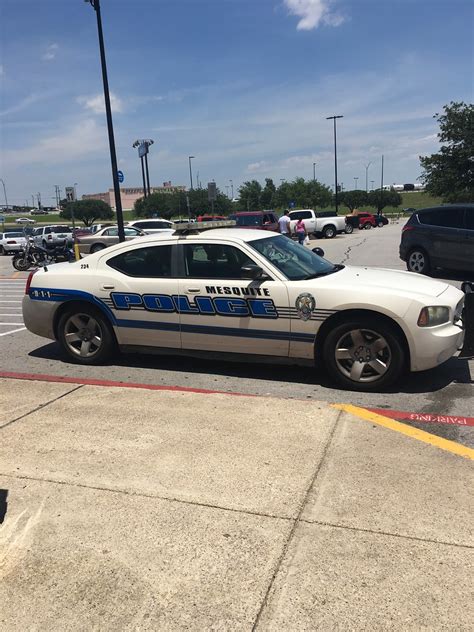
[[470, 219], [444, 217], [301, 215], [214, 261], [131, 232], [47, 231], [110, 232], [151, 262]]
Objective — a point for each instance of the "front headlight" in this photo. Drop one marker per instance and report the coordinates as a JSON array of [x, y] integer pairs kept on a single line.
[[431, 316]]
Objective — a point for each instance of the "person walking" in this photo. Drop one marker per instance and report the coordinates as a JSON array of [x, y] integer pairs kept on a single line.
[[284, 224], [300, 230]]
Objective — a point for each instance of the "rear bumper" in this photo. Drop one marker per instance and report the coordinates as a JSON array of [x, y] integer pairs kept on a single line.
[[39, 317]]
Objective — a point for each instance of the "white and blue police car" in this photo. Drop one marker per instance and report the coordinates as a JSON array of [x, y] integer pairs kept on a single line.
[[252, 293]]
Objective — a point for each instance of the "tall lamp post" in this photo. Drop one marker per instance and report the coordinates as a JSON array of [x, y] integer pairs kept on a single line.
[[355, 182], [367, 177], [191, 171], [143, 145], [314, 172], [108, 111], [232, 188], [4, 193], [372, 182], [335, 156]]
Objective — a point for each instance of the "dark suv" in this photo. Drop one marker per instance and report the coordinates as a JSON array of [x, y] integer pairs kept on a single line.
[[439, 237], [265, 220]]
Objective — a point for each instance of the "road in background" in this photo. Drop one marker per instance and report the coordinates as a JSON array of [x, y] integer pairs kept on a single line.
[[446, 390]]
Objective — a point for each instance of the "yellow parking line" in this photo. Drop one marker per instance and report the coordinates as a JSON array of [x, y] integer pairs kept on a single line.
[[16, 274], [409, 431]]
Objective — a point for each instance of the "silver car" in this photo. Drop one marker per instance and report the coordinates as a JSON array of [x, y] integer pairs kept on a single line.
[[108, 236], [11, 242]]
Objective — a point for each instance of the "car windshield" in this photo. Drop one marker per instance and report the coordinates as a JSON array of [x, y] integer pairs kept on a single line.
[[295, 261], [248, 220]]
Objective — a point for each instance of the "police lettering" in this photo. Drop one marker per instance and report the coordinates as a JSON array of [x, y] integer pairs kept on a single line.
[[204, 305], [238, 291]]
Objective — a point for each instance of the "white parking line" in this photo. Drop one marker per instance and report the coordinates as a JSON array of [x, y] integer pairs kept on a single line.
[[22, 323], [13, 331], [11, 301]]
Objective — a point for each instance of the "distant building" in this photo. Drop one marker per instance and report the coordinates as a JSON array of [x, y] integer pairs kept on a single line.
[[130, 195]]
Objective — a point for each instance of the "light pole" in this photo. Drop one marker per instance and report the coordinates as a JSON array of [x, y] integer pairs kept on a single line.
[[372, 182], [4, 193], [227, 189], [314, 172], [143, 145], [335, 155], [75, 192], [108, 111], [191, 171], [355, 182], [367, 177], [232, 188]]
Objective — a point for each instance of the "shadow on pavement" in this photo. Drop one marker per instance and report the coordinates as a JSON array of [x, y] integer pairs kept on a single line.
[[454, 370]]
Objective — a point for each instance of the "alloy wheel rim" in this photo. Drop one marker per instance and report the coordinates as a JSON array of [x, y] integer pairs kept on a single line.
[[83, 335], [363, 355], [417, 261]]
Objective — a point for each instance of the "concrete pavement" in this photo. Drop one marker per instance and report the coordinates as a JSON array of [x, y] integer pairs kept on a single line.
[[131, 509]]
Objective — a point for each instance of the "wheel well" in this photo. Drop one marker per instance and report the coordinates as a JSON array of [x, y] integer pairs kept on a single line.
[[68, 305], [345, 315]]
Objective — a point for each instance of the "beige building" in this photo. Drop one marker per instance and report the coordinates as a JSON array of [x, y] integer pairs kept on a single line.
[[130, 195]]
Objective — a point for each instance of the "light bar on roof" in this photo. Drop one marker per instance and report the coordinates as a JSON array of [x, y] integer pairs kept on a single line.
[[199, 227]]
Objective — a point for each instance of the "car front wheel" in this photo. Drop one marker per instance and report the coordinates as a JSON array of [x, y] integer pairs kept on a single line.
[[368, 226], [85, 336], [96, 248], [364, 355], [349, 229], [418, 261], [329, 232]]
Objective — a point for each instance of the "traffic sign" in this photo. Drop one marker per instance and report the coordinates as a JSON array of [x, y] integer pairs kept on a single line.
[[120, 176], [292, 204]]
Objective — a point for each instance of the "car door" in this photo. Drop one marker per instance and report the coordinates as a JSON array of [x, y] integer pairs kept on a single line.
[[220, 310], [468, 257], [139, 287], [446, 235]]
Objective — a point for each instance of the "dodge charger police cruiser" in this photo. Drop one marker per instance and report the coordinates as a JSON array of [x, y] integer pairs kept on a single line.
[[250, 293]]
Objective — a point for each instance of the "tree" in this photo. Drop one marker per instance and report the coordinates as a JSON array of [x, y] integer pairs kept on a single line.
[[87, 211], [353, 199], [380, 199], [450, 172], [250, 196], [268, 194], [303, 194], [169, 205]]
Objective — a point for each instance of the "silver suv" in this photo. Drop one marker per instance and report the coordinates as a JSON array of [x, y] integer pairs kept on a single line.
[[52, 235]]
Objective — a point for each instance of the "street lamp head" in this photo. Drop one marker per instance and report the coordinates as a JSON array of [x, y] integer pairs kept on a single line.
[[334, 117]]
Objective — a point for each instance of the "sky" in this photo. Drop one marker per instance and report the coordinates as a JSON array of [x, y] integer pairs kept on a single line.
[[245, 86]]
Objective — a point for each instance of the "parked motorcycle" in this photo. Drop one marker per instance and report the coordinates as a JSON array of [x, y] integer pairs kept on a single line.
[[34, 256]]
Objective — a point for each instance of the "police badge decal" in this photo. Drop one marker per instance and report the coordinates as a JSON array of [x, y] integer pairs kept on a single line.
[[305, 305]]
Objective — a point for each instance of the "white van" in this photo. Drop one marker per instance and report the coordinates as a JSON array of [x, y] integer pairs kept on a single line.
[[151, 226]]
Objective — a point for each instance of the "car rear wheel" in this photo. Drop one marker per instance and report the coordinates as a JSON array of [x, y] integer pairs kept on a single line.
[[96, 248], [364, 355], [3, 251], [380, 224], [418, 261], [329, 232], [85, 336], [349, 229], [368, 226]]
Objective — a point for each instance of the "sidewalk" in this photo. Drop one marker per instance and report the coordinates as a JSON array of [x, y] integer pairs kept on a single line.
[[131, 509]]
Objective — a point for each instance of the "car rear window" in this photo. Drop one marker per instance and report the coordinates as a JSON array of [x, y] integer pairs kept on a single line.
[[12, 235], [301, 215], [60, 229], [248, 220], [470, 219], [445, 217]]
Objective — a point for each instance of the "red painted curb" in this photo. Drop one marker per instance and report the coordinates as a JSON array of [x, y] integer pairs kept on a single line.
[[424, 417], [40, 377]]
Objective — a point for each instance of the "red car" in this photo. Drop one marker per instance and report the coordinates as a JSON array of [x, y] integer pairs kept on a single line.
[[211, 218], [368, 220], [263, 220]]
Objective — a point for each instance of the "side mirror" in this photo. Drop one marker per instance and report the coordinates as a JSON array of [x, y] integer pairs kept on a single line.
[[467, 287], [252, 271], [318, 251]]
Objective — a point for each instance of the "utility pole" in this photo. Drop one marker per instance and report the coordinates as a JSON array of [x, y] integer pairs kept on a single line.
[[108, 110], [355, 182], [381, 187], [314, 172], [4, 193], [190, 171], [366, 177], [372, 182], [333, 118], [232, 188]]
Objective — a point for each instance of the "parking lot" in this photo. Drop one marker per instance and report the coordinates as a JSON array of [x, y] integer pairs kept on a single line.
[[445, 391]]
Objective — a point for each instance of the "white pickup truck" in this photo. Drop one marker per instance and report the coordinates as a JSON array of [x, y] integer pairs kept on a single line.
[[320, 223]]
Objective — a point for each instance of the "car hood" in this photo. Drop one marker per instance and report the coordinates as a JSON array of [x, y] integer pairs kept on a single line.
[[389, 280]]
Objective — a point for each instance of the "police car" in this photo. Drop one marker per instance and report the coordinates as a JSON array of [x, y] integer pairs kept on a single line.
[[246, 292]]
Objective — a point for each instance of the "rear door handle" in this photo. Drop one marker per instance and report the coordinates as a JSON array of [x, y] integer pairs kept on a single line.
[[108, 287]]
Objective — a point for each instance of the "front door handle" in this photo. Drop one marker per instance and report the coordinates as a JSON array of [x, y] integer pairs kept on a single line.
[[193, 290], [108, 287]]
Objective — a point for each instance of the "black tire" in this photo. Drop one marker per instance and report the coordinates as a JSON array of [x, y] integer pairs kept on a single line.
[[351, 367], [349, 229], [418, 261], [44, 243], [380, 224], [96, 248], [21, 264], [88, 324], [3, 251], [367, 226], [329, 231]]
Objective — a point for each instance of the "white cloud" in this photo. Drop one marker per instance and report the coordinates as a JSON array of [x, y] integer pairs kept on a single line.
[[96, 103], [70, 144], [312, 13], [50, 52], [23, 104]]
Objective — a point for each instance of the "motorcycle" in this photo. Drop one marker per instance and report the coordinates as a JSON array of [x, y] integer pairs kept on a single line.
[[36, 256]]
